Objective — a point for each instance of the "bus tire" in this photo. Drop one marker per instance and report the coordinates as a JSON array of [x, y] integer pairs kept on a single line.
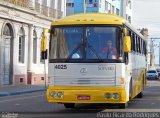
[[123, 105], [140, 95], [69, 105]]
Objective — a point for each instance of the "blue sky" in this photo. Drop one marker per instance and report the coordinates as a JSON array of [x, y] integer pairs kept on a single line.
[[146, 14]]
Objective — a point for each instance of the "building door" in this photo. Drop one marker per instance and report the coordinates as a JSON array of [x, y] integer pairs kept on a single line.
[[6, 60], [6, 55]]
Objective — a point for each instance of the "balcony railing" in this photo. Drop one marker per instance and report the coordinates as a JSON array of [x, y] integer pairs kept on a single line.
[[44, 10]]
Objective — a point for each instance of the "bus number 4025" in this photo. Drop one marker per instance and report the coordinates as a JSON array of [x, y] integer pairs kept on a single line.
[[60, 66]]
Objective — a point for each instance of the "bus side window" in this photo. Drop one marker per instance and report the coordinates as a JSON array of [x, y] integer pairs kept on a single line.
[[133, 38], [145, 48], [137, 44], [130, 34], [141, 46], [139, 49]]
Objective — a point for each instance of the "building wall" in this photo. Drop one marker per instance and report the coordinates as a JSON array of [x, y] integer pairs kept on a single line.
[[95, 6], [104, 6], [126, 12], [17, 15], [129, 10], [78, 6], [69, 7]]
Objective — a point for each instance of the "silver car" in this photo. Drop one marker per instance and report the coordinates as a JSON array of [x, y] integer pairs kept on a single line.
[[152, 74]]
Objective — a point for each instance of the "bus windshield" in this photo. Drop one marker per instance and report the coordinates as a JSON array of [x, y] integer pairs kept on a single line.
[[85, 43]]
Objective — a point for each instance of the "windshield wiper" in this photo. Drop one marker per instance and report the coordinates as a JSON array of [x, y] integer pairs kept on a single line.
[[94, 52], [74, 51]]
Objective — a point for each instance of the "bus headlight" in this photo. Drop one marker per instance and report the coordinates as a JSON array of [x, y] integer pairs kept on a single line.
[[115, 95], [53, 94], [108, 95], [60, 95]]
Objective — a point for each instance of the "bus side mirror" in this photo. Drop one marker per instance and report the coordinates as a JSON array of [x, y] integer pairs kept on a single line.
[[44, 44], [127, 44], [47, 30]]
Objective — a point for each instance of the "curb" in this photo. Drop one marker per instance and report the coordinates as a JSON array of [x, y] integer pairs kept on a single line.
[[21, 92]]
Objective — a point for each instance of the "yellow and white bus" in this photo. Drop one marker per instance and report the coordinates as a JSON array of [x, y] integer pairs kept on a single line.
[[79, 70]]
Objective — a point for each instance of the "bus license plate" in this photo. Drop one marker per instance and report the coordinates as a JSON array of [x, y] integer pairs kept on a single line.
[[83, 97]]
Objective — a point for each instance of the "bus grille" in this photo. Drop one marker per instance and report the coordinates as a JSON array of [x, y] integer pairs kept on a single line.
[[89, 81]]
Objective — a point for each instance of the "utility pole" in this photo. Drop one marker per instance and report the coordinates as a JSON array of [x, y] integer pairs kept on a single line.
[[151, 54], [152, 59], [84, 6]]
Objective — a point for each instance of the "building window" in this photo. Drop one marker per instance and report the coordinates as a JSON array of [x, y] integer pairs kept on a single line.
[[126, 2], [129, 19], [70, 4], [126, 17], [106, 5], [34, 47], [109, 7], [130, 4], [117, 11], [21, 80], [21, 45], [90, 1], [7, 31], [42, 78]]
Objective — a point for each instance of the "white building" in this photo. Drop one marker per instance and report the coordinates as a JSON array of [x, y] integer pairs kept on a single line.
[[118, 7], [21, 25], [126, 8]]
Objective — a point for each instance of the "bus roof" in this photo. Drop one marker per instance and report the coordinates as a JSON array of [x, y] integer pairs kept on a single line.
[[94, 18], [90, 18]]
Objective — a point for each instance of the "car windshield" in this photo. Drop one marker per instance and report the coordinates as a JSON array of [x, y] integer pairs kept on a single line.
[[158, 70], [151, 71]]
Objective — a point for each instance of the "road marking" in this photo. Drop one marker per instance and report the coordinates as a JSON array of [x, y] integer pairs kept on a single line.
[[20, 98]]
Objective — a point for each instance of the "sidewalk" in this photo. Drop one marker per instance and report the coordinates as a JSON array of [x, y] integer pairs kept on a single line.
[[7, 90]]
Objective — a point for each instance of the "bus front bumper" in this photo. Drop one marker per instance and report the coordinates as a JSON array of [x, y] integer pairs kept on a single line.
[[73, 94]]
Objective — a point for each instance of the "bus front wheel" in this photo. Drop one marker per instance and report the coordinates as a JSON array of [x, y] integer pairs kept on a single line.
[[69, 105]]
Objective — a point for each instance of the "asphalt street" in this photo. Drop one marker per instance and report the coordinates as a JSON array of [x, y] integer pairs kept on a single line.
[[36, 105]]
